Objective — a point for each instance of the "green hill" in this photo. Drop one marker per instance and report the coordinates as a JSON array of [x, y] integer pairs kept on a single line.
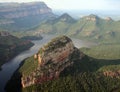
[[11, 46], [89, 27], [86, 74], [106, 51]]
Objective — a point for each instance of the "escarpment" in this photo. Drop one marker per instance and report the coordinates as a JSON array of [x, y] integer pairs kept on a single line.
[[14, 16], [52, 59], [17, 10]]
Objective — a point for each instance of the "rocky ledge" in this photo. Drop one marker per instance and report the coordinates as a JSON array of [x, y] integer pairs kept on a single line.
[[52, 59]]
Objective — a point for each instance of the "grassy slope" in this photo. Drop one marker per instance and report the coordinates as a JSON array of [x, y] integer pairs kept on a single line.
[[100, 30], [109, 51], [6, 43], [82, 75], [85, 70], [29, 66]]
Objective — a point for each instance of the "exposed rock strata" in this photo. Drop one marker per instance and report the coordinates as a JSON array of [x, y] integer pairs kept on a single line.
[[52, 59]]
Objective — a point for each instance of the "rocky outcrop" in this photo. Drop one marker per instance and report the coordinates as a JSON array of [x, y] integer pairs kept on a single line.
[[4, 33], [108, 19], [112, 74], [52, 59], [91, 17]]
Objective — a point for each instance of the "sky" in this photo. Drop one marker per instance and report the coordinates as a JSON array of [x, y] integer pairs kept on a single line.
[[77, 4]]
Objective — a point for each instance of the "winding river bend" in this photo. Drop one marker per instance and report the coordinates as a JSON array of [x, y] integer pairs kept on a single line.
[[9, 67]]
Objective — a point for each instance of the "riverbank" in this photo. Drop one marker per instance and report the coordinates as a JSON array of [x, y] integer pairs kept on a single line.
[[14, 53], [10, 67], [87, 65], [14, 84]]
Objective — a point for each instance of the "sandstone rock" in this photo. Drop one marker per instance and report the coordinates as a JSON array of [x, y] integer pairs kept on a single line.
[[52, 59]]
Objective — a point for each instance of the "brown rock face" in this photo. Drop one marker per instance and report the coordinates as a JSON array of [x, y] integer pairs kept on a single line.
[[52, 59], [112, 74]]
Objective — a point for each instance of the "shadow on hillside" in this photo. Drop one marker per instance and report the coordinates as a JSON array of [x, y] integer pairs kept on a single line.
[[14, 84], [87, 64]]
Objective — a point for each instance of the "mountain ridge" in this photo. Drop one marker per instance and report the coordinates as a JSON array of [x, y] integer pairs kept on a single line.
[[90, 27], [23, 15]]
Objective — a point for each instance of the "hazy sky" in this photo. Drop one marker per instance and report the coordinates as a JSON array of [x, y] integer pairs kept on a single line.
[[78, 4]]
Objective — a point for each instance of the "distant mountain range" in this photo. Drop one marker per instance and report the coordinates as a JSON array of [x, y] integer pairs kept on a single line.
[[37, 18], [21, 16], [90, 27]]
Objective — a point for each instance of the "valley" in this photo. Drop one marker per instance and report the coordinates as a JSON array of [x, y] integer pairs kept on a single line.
[[43, 49], [10, 46], [14, 63], [86, 71]]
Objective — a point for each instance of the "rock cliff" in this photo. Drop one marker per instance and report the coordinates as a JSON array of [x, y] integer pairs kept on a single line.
[[17, 10], [52, 59], [112, 74], [23, 15]]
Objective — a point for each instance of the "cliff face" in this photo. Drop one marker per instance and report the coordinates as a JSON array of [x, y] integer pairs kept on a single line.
[[52, 59], [23, 15], [16, 10]]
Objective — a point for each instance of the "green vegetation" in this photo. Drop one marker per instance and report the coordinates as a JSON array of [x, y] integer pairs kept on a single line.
[[11, 46], [89, 27], [82, 76], [106, 51], [109, 68], [56, 43], [29, 66], [23, 16], [84, 82]]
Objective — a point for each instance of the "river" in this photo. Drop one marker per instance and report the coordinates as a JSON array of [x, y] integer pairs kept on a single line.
[[9, 67]]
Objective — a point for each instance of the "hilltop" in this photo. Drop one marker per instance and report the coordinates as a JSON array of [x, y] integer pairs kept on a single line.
[[51, 60], [59, 66]]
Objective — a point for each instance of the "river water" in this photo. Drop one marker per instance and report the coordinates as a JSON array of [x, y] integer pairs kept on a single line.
[[9, 67]]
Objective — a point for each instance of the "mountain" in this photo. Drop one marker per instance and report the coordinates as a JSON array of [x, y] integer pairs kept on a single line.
[[59, 66], [90, 27], [21, 16], [58, 25], [65, 18], [57, 54], [10, 46]]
